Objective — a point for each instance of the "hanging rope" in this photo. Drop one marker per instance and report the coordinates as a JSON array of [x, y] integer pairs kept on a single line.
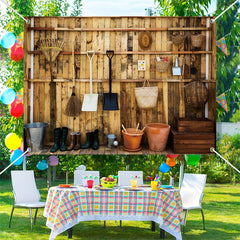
[[6, 3], [213, 150], [213, 20], [28, 150]]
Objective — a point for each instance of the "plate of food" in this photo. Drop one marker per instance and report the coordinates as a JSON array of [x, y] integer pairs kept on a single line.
[[132, 189], [64, 185]]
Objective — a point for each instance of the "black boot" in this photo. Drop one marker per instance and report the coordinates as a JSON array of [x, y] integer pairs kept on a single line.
[[57, 136], [88, 142], [64, 139], [95, 144]]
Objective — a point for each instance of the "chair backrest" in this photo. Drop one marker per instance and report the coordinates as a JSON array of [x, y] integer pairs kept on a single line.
[[24, 186], [192, 188], [79, 177], [124, 177]]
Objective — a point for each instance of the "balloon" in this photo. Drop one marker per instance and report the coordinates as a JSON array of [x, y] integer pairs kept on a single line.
[[19, 40], [13, 141], [172, 155], [8, 96], [19, 96], [16, 53], [171, 162], [164, 168], [53, 161], [16, 110], [192, 159], [42, 165], [16, 154], [8, 40]]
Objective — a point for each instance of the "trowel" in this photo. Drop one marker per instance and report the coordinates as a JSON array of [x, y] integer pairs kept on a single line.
[[176, 71]]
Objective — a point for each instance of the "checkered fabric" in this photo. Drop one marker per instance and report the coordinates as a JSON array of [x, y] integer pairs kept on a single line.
[[65, 207]]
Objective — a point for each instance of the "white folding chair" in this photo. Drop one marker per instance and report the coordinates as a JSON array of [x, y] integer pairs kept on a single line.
[[79, 177], [124, 177], [26, 194], [192, 193]]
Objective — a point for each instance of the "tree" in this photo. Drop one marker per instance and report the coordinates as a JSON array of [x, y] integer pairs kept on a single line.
[[11, 74], [228, 79]]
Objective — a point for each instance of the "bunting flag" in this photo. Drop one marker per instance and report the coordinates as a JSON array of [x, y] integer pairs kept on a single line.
[[221, 43], [221, 99]]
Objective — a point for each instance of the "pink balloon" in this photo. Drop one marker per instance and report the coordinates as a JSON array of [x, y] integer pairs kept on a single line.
[[53, 160]]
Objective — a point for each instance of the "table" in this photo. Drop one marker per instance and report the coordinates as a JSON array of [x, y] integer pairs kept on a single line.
[[66, 207]]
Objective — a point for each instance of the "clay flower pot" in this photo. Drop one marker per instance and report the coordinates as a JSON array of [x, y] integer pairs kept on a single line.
[[157, 135], [132, 140]]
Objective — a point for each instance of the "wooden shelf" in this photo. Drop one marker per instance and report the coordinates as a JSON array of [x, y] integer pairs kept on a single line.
[[103, 150], [118, 29], [36, 52], [61, 80]]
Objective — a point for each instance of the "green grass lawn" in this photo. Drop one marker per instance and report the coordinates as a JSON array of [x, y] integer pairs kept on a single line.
[[221, 207]]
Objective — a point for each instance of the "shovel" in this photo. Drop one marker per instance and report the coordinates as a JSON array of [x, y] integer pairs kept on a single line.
[[90, 101], [110, 100]]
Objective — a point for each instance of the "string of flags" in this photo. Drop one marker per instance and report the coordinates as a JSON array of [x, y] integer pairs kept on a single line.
[[221, 43], [221, 99]]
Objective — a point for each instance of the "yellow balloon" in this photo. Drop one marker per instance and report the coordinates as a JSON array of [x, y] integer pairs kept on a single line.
[[13, 141]]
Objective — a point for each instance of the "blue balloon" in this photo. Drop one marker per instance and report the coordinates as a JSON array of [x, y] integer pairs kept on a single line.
[[164, 168], [8, 96], [16, 154], [42, 165], [8, 40]]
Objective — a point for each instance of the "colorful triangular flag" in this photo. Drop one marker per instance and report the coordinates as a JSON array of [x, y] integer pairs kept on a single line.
[[221, 43], [221, 99]]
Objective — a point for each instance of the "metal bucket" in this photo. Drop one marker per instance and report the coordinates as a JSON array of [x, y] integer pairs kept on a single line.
[[35, 135]]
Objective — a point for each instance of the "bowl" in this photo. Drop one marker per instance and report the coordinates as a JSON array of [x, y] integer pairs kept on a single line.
[[108, 184]]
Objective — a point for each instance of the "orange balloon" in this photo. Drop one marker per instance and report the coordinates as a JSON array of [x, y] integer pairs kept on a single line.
[[171, 162]]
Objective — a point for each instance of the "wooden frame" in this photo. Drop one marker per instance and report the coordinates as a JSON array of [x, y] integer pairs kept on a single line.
[[121, 35]]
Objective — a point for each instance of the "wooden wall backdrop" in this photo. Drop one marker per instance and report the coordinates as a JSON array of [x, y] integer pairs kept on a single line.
[[121, 35]]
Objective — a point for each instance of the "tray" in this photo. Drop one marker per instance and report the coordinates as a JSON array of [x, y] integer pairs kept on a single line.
[[166, 186], [64, 185], [132, 189]]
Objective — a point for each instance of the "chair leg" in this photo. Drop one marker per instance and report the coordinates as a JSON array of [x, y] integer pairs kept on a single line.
[[185, 220], [203, 219], [10, 220], [120, 223], [152, 226], [104, 223], [35, 216], [30, 213]]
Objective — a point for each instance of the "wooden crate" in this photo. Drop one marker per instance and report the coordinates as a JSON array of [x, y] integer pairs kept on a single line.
[[195, 125], [191, 143]]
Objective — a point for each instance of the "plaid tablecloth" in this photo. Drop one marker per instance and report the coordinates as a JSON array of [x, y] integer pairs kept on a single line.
[[65, 207]]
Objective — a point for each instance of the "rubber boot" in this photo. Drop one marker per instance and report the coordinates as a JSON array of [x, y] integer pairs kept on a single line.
[[89, 141], [57, 136], [72, 141], [64, 139], [95, 144], [78, 141]]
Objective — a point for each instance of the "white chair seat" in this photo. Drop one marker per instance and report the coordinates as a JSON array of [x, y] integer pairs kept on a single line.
[[31, 204], [189, 207]]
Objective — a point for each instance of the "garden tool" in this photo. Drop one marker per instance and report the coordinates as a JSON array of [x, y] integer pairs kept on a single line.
[[90, 101], [176, 70], [110, 101], [73, 105]]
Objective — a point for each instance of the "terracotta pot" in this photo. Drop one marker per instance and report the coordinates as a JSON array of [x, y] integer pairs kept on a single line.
[[132, 140], [157, 135]]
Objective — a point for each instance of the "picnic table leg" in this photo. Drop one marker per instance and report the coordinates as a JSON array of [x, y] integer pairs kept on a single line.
[[152, 226], [70, 230], [162, 234]]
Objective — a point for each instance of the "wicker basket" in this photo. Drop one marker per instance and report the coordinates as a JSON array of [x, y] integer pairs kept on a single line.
[[146, 96], [178, 39], [196, 94], [197, 40], [162, 66]]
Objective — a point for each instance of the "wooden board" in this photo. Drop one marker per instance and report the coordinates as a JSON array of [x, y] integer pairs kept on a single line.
[[121, 35], [195, 125]]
